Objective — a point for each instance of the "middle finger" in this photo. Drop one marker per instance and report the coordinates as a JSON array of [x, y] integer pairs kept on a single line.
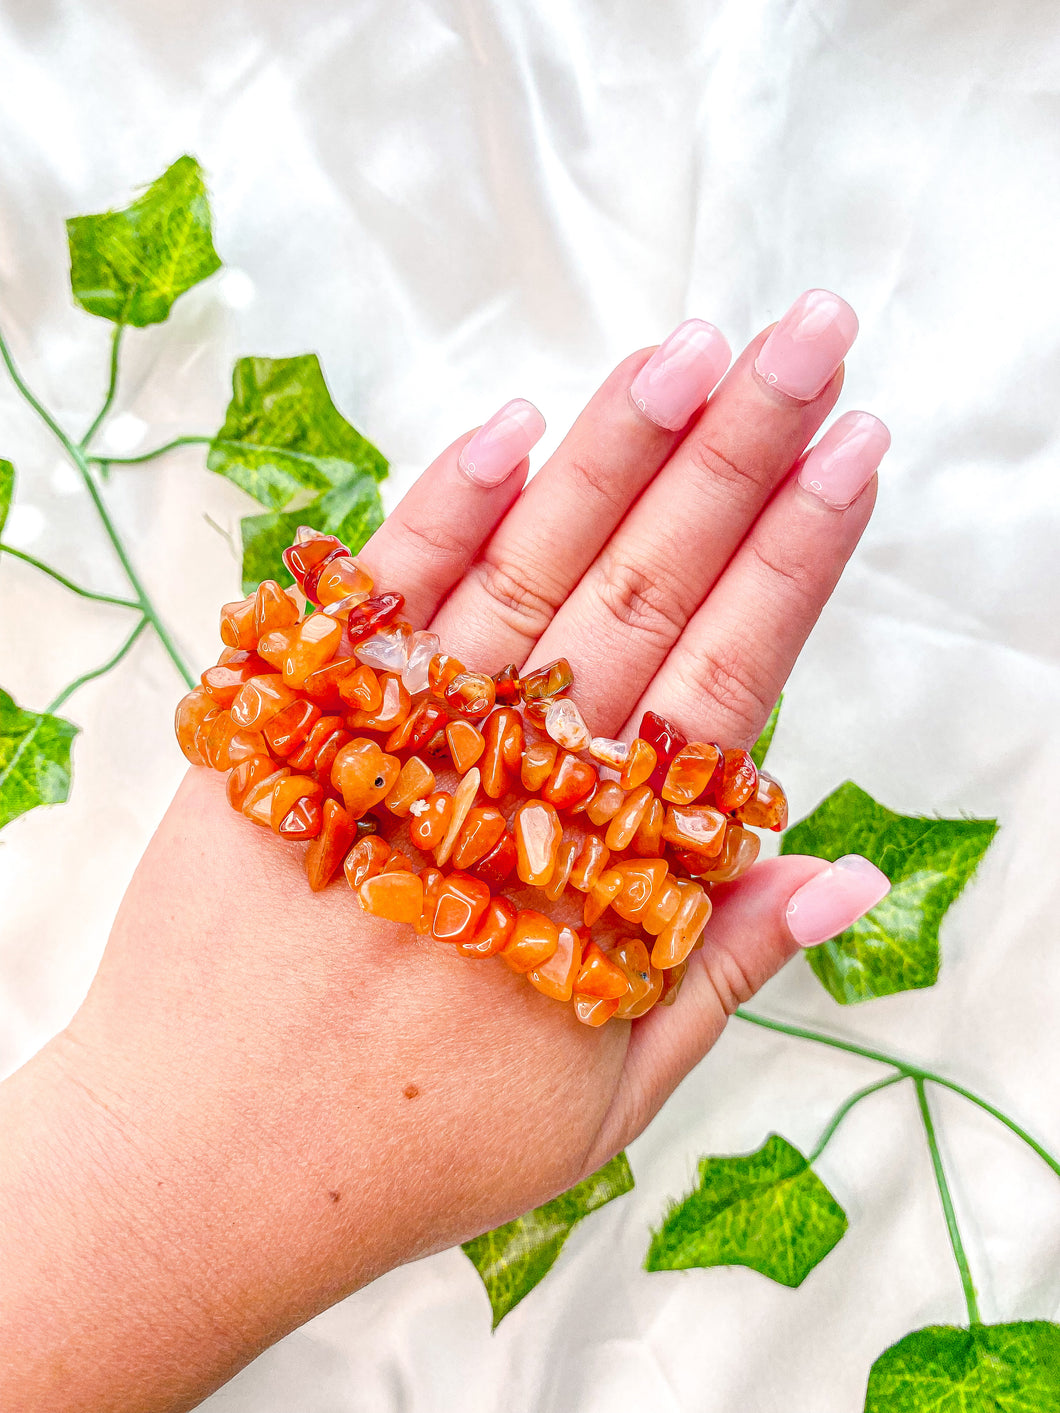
[[651, 576]]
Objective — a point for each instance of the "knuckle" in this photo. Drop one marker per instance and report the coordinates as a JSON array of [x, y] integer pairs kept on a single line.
[[796, 574], [432, 543], [729, 978], [650, 606], [713, 465], [522, 609], [597, 479], [725, 677]]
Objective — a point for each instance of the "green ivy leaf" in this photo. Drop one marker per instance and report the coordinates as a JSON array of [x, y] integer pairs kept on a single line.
[[512, 1259], [768, 1210], [129, 266], [986, 1369], [895, 947], [7, 490], [283, 435], [285, 443], [761, 747], [352, 512], [34, 759]]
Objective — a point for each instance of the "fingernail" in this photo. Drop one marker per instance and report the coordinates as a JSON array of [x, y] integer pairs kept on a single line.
[[844, 461], [835, 898], [681, 374], [802, 353], [500, 444]]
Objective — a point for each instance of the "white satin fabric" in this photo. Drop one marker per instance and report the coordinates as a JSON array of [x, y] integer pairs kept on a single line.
[[457, 203]]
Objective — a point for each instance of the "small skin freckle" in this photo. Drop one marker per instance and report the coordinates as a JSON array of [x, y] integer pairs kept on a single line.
[[411, 1091], [334, 1196]]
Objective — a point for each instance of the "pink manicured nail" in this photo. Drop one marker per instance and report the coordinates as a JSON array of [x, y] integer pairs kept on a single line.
[[681, 374], [803, 352], [843, 462], [834, 899], [500, 444]]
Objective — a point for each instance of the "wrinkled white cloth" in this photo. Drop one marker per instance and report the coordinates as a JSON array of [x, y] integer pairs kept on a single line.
[[457, 203]]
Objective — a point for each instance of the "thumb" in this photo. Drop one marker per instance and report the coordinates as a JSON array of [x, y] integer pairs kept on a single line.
[[759, 922]]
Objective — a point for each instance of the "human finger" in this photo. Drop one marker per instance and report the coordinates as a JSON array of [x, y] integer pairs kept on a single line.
[[554, 531], [731, 662], [425, 544], [759, 922], [663, 560]]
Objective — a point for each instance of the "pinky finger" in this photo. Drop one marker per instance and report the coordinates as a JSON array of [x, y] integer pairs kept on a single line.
[[428, 540]]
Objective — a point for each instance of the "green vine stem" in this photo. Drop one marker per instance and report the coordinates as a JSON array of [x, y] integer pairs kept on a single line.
[[64, 581], [150, 455], [77, 455], [959, 1254], [99, 671], [905, 1070], [845, 1108], [112, 388]]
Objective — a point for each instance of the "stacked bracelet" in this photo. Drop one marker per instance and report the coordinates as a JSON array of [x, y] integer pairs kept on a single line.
[[446, 796]]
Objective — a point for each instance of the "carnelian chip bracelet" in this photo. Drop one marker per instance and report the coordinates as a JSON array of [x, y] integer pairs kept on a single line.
[[447, 797]]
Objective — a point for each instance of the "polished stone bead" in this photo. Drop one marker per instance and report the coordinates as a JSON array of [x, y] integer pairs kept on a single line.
[[361, 689], [570, 781], [286, 731], [555, 977], [538, 762], [630, 1009], [387, 650], [631, 956], [237, 624], [466, 744], [223, 682], [305, 757], [594, 1010], [648, 841], [391, 712], [461, 903], [432, 879], [640, 765], [598, 899], [245, 776], [566, 725], [463, 801], [501, 758], [493, 931], [571, 845], [396, 896], [738, 853], [739, 778], [228, 744], [606, 801], [626, 820], [697, 827], [662, 908], [666, 739], [430, 822], [274, 646], [367, 858], [397, 862], [641, 881], [363, 774], [302, 822], [272, 608], [259, 699], [317, 641], [342, 578], [191, 712], [548, 681], [310, 551], [507, 684], [416, 674], [537, 833], [499, 863], [609, 752], [416, 730], [361, 620], [325, 685], [257, 802], [533, 940], [481, 833], [471, 694], [680, 935], [590, 863], [415, 782], [441, 670], [600, 977], [287, 794], [691, 772], [672, 983], [767, 808]]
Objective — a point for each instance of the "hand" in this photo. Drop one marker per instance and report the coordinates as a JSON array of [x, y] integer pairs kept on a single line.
[[268, 1098]]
